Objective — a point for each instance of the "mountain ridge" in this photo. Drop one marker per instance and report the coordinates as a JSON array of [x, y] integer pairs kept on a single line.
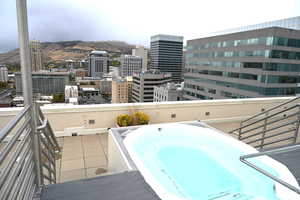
[[58, 52]]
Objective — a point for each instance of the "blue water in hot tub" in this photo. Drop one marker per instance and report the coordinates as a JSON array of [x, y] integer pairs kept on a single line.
[[197, 167], [200, 177]]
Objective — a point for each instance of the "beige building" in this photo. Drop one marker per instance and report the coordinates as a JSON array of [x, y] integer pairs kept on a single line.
[[36, 56], [121, 90], [144, 82], [143, 53]]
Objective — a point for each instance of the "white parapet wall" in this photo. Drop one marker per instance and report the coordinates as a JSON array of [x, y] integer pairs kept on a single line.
[[117, 161], [90, 119]]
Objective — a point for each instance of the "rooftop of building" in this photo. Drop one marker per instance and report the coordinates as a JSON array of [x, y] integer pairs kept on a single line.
[[289, 24], [152, 72], [131, 56], [3, 67], [266, 31], [49, 73], [99, 52], [123, 79], [83, 167], [171, 86], [88, 89], [164, 37]]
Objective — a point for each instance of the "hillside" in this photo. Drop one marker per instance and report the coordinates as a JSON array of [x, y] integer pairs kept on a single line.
[[57, 52]]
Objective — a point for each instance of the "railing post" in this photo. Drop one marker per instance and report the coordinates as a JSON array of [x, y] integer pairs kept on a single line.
[[297, 125], [264, 131], [240, 130], [37, 145], [27, 81]]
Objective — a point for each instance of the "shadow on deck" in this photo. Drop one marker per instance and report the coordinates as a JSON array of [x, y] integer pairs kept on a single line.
[[123, 186]]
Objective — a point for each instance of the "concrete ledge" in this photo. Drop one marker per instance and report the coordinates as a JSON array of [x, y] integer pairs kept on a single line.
[[90, 118]]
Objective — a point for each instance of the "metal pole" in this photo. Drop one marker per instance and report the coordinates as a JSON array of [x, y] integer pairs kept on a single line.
[[27, 81], [24, 51]]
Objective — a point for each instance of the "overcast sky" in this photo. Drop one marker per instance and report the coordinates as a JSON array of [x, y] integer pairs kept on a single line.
[[134, 21]]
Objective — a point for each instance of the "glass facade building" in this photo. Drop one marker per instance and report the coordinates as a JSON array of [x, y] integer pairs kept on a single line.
[[254, 63], [166, 55]]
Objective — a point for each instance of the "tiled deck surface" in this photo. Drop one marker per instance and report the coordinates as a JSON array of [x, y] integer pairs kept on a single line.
[[82, 157]]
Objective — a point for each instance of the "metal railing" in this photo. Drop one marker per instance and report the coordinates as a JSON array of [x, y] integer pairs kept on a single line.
[[24, 166], [273, 127], [268, 153]]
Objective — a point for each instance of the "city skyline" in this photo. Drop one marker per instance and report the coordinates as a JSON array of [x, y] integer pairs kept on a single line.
[[96, 21]]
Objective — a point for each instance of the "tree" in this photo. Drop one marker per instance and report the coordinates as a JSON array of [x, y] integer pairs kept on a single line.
[[58, 98], [115, 63], [3, 85]]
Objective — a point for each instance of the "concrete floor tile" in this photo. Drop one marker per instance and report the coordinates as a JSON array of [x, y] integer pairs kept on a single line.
[[74, 156], [69, 154], [93, 153], [67, 165], [72, 175], [72, 140], [94, 161]]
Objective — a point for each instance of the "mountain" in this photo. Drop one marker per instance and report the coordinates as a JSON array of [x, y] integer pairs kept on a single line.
[[58, 52]]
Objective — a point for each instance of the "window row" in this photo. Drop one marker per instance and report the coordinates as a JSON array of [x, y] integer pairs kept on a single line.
[[232, 43], [256, 53], [285, 67], [259, 90], [268, 41], [260, 78]]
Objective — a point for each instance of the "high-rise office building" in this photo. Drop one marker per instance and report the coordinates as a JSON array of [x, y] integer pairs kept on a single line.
[[130, 64], [36, 56], [98, 64], [143, 53], [121, 90], [46, 83], [166, 55], [3, 74], [254, 63], [144, 82]]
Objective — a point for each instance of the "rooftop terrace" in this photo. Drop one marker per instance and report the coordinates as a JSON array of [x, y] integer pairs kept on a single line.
[[82, 133]]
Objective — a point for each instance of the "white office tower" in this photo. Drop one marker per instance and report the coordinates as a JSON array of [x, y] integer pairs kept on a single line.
[[143, 53], [168, 92], [3, 74], [71, 94], [130, 64]]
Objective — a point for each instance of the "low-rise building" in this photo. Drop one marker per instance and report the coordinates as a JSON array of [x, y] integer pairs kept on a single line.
[[105, 86], [121, 90], [168, 92], [71, 93], [46, 83], [81, 73], [144, 82]]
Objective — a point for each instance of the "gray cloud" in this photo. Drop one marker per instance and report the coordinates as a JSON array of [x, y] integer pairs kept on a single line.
[[51, 21], [135, 21]]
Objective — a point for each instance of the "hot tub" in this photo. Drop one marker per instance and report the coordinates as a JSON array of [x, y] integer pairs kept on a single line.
[[181, 161]]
